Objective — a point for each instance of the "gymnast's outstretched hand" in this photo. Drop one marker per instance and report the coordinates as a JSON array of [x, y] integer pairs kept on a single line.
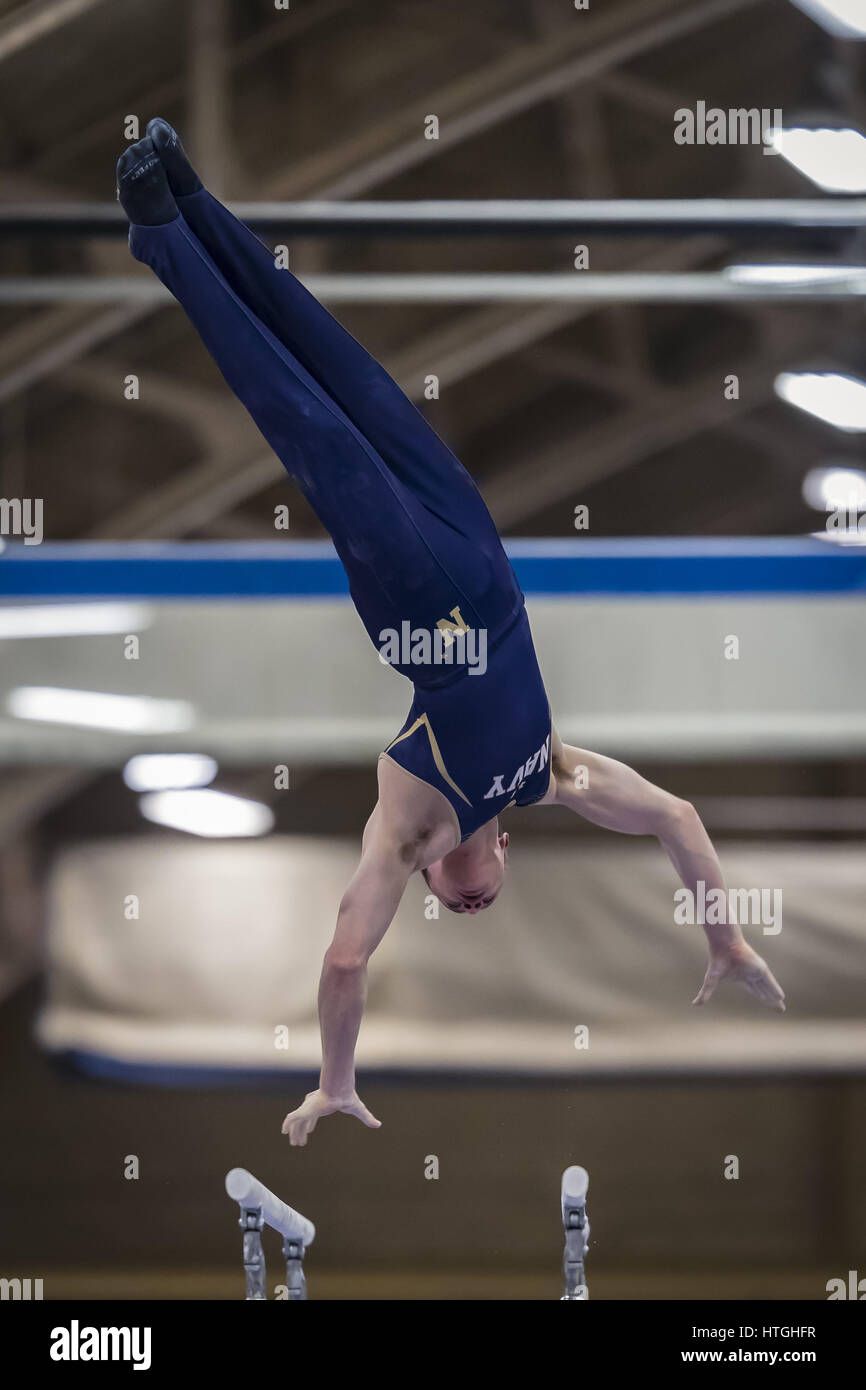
[[738, 962], [299, 1124]]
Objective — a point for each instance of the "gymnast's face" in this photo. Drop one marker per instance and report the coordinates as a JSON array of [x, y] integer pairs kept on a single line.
[[469, 883]]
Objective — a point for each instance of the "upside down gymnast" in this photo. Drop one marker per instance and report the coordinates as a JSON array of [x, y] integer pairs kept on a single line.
[[418, 546]]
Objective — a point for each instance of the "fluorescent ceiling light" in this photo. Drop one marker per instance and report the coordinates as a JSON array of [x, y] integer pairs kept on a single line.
[[833, 159], [152, 772], [845, 19], [794, 274], [92, 709], [835, 489], [73, 619], [838, 400], [208, 813]]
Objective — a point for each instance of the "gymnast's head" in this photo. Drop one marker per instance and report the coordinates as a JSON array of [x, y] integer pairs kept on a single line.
[[470, 877]]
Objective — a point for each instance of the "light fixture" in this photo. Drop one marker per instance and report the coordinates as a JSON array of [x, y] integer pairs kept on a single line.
[[93, 709], [831, 396], [844, 19], [72, 619], [795, 275], [151, 772], [833, 159], [207, 813], [835, 488]]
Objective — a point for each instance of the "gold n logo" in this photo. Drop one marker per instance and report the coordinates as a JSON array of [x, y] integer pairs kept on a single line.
[[449, 629]]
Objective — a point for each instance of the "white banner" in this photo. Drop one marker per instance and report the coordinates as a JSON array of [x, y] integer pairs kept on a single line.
[[184, 953]]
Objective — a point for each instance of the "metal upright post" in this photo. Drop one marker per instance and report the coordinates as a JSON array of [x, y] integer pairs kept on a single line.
[[575, 1183], [252, 1223], [293, 1252]]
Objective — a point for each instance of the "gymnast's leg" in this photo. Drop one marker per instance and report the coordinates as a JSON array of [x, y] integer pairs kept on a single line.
[[430, 555], [402, 563], [350, 375]]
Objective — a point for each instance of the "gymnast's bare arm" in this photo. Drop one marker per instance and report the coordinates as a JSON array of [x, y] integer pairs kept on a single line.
[[614, 796], [411, 826]]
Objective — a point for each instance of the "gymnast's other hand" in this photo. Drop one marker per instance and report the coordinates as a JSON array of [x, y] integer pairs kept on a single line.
[[299, 1124], [738, 962]]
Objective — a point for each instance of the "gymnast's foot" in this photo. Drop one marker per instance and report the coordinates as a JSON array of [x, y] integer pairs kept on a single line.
[[142, 186], [182, 178]]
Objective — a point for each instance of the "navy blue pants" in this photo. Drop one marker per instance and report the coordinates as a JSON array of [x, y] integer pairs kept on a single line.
[[407, 521]]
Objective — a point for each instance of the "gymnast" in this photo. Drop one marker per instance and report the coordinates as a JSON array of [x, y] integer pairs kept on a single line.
[[420, 551]]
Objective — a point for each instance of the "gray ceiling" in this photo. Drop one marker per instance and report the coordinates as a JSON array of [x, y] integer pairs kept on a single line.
[[534, 99]]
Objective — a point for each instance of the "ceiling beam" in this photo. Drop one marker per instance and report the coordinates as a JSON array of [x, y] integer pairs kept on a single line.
[[56, 350], [197, 497], [38, 20], [534, 481], [600, 40], [365, 173], [587, 150], [214, 418], [211, 132], [59, 349], [290, 27]]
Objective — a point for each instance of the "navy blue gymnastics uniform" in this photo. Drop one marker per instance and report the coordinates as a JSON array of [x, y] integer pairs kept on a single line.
[[406, 519]]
